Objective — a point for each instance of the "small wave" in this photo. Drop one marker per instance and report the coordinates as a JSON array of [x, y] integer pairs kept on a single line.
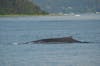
[[15, 43]]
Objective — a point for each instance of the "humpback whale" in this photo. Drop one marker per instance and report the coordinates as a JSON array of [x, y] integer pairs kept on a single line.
[[57, 40]]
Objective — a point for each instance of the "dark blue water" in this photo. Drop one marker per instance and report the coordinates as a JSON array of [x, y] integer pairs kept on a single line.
[[15, 30]]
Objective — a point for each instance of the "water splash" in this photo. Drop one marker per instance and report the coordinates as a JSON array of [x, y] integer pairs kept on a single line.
[[15, 43]]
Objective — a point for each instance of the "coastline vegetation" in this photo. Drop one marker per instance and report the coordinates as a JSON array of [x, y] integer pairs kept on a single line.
[[19, 8]]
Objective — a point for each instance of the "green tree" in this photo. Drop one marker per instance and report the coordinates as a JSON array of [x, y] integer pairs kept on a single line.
[[19, 7]]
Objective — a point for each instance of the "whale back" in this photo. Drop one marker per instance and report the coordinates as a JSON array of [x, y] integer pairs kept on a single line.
[[63, 39], [69, 39]]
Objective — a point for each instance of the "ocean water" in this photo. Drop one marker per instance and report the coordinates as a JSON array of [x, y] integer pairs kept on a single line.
[[15, 30]]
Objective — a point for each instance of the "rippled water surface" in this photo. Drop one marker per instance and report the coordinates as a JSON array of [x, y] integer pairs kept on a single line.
[[15, 30]]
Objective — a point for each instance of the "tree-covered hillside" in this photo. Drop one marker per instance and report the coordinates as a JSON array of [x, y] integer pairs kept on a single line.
[[19, 7]]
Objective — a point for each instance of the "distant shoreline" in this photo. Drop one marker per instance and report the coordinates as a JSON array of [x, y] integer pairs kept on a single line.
[[23, 15], [54, 17], [45, 14]]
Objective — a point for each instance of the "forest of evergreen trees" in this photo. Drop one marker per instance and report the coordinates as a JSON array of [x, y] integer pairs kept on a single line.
[[19, 7]]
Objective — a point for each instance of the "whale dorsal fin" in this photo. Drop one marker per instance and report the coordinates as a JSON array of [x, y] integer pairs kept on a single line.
[[70, 37]]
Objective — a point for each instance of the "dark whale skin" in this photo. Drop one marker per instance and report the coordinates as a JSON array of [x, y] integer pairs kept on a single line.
[[58, 40]]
